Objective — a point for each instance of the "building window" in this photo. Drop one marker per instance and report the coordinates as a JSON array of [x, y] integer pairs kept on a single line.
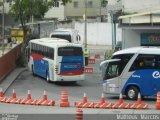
[[75, 4], [90, 4], [55, 4]]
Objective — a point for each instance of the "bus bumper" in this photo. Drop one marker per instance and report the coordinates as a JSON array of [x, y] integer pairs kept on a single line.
[[110, 88], [70, 78]]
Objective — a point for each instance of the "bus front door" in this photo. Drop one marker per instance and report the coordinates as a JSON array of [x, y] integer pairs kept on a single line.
[[111, 79]]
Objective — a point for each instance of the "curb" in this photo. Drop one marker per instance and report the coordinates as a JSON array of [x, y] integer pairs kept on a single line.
[[13, 79]]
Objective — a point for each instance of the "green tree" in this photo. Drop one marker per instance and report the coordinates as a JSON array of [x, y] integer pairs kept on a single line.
[[23, 10]]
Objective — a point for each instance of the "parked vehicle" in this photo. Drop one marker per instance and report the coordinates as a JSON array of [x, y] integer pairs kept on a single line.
[[68, 34], [132, 71]]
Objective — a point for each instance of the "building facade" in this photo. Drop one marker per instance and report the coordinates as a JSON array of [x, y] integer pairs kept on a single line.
[[140, 23], [76, 9], [55, 12]]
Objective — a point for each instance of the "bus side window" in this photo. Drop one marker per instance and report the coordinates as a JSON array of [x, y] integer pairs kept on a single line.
[[158, 62], [144, 62], [137, 64], [33, 48], [42, 53], [45, 51], [52, 53]]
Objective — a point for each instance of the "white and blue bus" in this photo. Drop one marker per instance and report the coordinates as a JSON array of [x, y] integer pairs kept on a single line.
[[131, 71], [56, 59]]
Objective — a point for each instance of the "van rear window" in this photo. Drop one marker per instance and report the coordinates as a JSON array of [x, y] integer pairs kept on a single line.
[[66, 37], [70, 51]]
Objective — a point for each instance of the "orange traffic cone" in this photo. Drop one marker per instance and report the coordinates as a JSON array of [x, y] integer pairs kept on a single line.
[[102, 98], [29, 95], [43, 99], [13, 94], [79, 114], [45, 95], [2, 98], [13, 98], [1, 92], [120, 104], [27, 100], [139, 104], [158, 101], [139, 100], [120, 98], [64, 99], [85, 99]]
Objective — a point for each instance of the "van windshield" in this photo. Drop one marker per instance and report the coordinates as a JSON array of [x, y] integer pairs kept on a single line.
[[66, 37]]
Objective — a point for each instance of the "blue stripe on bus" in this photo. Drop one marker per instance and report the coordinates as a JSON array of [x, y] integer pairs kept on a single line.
[[40, 67], [148, 82]]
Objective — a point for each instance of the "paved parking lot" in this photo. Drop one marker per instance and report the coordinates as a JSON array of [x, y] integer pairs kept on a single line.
[[91, 86]]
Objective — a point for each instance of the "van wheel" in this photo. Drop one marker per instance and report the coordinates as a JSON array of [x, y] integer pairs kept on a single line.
[[47, 77], [33, 71], [132, 93]]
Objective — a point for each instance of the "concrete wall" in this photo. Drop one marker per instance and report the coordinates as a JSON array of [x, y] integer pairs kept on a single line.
[[98, 33], [131, 38], [8, 61]]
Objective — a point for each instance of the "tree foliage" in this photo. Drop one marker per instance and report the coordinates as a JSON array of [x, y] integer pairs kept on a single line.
[[23, 10]]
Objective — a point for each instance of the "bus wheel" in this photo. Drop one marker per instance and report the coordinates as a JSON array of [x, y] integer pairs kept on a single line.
[[47, 77], [132, 93]]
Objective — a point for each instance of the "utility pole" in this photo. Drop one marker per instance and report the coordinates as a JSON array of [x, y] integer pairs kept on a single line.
[[113, 30], [86, 53], [85, 25], [3, 29]]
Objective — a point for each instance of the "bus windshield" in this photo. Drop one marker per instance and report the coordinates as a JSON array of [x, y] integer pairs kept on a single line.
[[66, 37], [70, 51], [113, 70]]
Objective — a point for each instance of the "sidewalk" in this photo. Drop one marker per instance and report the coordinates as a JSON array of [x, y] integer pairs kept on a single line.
[[11, 77]]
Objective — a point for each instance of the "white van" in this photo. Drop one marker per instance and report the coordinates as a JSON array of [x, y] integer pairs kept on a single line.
[[68, 34], [132, 71]]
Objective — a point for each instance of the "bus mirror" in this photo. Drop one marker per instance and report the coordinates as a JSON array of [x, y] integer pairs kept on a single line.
[[78, 37]]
